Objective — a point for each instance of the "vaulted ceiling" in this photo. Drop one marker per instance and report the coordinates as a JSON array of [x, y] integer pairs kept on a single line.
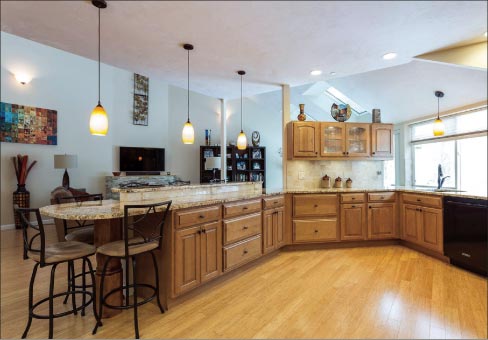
[[275, 42]]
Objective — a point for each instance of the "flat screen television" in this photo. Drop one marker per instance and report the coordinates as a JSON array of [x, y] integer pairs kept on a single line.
[[141, 159]]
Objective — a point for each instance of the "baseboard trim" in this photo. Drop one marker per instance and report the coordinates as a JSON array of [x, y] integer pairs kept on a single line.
[[12, 226], [425, 251], [342, 244]]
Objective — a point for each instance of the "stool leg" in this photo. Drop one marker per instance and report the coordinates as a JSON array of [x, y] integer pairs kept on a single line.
[[31, 298], [157, 281], [136, 321], [127, 280], [94, 291], [83, 280], [100, 300], [51, 301], [65, 301], [71, 267]]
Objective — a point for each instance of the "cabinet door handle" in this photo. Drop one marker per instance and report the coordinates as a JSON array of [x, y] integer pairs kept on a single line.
[[199, 231], [420, 210], [374, 153], [347, 153], [343, 152], [369, 207], [245, 251], [204, 231]]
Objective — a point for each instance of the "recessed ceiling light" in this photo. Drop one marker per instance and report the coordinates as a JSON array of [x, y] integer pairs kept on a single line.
[[389, 56], [333, 73], [316, 72]]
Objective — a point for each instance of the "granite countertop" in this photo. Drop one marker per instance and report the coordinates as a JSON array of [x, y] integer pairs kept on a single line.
[[187, 186], [115, 209]]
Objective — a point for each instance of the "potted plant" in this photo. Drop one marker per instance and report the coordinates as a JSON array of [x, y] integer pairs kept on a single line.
[[21, 196]]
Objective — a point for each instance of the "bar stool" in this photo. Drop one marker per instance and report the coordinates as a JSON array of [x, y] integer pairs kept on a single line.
[[81, 231], [146, 237], [44, 255]]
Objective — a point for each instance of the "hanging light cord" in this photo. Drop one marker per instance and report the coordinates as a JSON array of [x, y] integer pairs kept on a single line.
[[438, 100], [99, 56], [188, 94], [241, 102]]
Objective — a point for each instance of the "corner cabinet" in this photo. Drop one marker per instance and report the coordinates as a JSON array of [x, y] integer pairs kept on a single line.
[[381, 140], [335, 140]]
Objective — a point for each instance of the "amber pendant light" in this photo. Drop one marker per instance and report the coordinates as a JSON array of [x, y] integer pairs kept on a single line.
[[188, 133], [241, 138], [98, 117], [438, 124]]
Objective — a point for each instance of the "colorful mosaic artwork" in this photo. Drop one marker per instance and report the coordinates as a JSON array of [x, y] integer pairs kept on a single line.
[[28, 125]]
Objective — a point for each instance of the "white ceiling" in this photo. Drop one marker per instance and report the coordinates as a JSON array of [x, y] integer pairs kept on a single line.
[[275, 42]]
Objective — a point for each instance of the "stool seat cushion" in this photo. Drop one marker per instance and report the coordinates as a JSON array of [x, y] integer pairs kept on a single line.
[[64, 251], [117, 248], [84, 235]]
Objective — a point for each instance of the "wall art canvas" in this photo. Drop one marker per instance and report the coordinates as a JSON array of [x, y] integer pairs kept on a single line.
[[141, 100], [28, 125]]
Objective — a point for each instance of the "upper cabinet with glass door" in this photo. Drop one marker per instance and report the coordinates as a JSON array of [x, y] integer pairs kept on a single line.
[[332, 139], [357, 140]]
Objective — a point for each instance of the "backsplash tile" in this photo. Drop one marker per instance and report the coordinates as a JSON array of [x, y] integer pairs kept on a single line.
[[363, 173]]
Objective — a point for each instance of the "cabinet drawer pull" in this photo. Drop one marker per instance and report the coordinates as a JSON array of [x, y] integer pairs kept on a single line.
[[353, 206], [353, 198], [245, 227], [373, 153], [347, 153], [245, 208], [315, 205], [316, 231], [244, 252], [275, 202], [382, 197], [419, 200], [201, 216]]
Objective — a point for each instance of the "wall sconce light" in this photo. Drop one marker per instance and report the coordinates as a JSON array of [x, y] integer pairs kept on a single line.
[[23, 78]]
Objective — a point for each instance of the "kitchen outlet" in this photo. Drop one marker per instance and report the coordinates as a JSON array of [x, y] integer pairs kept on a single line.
[[301, 174]]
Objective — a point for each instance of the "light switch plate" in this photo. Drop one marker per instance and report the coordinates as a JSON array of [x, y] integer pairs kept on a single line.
[[301, 174]]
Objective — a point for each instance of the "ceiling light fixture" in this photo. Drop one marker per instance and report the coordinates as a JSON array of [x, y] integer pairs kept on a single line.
[[241, 139], [333, 73], [316, 72], [390, 56], [23, 78], [98, 117], [188, 133], [438, 124]]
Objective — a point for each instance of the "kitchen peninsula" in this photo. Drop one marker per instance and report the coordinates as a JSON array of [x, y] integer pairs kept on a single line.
[[217, 228]]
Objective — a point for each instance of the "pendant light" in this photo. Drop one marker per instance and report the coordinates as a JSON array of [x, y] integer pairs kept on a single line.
[[188, 133], [438, 124], [241, 138], [98, 117]]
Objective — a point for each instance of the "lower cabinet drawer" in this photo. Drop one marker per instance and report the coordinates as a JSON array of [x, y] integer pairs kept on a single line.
[[433, 201], [242, 207], [319, 230], [242, 227], [381, 196], [237, 254]]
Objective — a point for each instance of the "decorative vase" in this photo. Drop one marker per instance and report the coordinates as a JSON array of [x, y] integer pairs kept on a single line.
[[326, 182], [338, 182], [21, 197], [349, 183], [301, 117]]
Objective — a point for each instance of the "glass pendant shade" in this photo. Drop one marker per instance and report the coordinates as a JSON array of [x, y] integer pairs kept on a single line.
[[188, 133], [438, 127], [242, 141], [98, 121]]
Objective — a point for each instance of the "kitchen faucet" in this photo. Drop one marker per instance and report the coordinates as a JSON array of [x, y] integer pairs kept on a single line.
[[440, 179]]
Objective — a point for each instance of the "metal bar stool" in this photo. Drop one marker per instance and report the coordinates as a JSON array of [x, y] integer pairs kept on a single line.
[[140, 242], [81, 231], [44, 255]]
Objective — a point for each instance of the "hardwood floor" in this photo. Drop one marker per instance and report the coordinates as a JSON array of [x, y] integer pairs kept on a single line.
[[375, 292]]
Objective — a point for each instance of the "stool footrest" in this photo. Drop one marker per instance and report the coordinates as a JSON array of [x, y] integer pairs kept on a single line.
[[38, 303], [129, 306]]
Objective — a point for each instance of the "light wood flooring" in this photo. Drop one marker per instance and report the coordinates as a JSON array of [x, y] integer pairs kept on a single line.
[[374, 292]]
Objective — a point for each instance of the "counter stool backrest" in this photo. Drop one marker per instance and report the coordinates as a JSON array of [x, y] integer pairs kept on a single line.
[[24, 216], [135, 220], [78, 199]]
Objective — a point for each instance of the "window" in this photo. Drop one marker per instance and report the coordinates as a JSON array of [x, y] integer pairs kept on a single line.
[[461, 152]]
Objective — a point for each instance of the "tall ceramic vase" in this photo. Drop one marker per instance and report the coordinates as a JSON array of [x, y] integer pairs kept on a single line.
[[21, 197]]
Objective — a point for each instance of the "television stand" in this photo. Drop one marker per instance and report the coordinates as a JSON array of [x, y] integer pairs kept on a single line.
[[142, 173]]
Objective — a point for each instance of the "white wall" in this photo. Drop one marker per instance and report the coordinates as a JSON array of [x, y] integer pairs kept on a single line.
[[68, 83], [261, 113]]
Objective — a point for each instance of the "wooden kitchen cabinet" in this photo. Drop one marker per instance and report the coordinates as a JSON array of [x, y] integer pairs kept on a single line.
[[198, 256], [381, 140], [353, 221], [273, 229], [382, 221], [423, 225], [332, 139], [305, 139], [357, 140]]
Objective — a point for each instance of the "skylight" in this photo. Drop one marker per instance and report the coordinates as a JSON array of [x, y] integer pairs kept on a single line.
[[336, 94]]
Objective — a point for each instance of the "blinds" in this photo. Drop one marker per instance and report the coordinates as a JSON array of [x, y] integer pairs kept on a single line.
[[457, 124]]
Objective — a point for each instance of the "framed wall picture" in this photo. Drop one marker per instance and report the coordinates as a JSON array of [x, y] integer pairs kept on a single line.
[[141, 100]]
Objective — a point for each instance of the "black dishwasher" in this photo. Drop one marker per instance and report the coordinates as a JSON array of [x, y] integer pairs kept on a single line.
[[465, 233]]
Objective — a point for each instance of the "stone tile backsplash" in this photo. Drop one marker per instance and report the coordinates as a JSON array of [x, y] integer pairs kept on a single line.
[[364, 174]]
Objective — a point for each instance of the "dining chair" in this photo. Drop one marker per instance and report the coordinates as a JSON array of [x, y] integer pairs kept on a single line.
[[139, 237], [36, 249]]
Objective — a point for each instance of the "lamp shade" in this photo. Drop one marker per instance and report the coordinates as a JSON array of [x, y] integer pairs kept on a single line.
[[242, 141], [212, 163], [188, 133], [65, 161], [98, 121], [438, 127]]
